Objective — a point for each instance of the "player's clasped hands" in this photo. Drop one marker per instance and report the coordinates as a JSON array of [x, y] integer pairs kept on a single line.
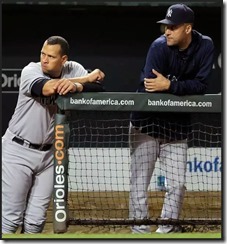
[[160, 83], [64, 86]]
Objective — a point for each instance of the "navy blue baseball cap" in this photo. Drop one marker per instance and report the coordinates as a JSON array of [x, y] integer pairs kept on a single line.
[[178, 14]]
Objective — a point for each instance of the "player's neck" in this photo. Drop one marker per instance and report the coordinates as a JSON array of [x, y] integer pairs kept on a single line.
[[185, 44]]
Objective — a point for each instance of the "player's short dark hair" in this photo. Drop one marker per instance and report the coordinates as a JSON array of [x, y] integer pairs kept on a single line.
[[53, 40]]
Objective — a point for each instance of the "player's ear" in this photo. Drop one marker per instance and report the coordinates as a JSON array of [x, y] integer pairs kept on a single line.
[[188, 28], [64, 58]]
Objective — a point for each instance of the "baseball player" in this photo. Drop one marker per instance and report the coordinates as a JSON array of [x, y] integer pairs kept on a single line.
[[178, 62], [27, 152]]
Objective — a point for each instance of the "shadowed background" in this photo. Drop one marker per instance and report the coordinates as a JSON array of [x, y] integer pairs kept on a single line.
[[113, 36]]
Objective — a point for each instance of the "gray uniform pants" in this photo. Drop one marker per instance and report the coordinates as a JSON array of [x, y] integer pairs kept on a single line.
[[27, 183], [144, 152]]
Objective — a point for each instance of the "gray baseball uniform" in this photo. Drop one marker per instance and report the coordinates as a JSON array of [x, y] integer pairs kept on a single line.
[[28, 170], [144, 151]]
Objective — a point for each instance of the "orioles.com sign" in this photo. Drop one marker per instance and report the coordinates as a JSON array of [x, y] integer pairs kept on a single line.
[[11, 80], [60, 175]]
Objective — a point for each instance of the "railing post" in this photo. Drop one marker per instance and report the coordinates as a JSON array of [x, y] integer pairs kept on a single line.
[[60, 192]]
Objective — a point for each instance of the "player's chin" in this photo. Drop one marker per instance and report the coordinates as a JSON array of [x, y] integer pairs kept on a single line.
[[170, 43], [45, 70]]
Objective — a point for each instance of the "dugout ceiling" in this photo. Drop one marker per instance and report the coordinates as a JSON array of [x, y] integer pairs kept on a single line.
[[114, 2], [111, 35]]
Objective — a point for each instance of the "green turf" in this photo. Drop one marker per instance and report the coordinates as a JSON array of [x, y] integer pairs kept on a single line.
[[115, 236]]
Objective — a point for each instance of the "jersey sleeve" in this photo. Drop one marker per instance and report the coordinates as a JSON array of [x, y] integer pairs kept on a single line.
[[29, 76], [93, 87], [156, 59]]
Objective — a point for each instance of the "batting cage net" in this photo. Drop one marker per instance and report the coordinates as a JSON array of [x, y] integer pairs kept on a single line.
[[94, 184]]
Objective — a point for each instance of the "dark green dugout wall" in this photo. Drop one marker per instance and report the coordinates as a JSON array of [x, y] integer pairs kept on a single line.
[[113, 38]]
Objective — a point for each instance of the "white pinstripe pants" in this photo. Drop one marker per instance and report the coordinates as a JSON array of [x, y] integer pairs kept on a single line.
[[144, 153]]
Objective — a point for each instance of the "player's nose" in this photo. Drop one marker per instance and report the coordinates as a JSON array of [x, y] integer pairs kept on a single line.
[[45, 59]]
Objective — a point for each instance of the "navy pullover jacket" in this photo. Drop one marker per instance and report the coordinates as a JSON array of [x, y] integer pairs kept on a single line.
[[187, 71]]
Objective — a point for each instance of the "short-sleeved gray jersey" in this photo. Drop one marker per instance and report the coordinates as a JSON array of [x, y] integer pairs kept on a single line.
[[33, 118]]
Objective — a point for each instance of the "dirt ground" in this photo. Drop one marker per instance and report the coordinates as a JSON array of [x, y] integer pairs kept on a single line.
[[109, 205], [78, 229]]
